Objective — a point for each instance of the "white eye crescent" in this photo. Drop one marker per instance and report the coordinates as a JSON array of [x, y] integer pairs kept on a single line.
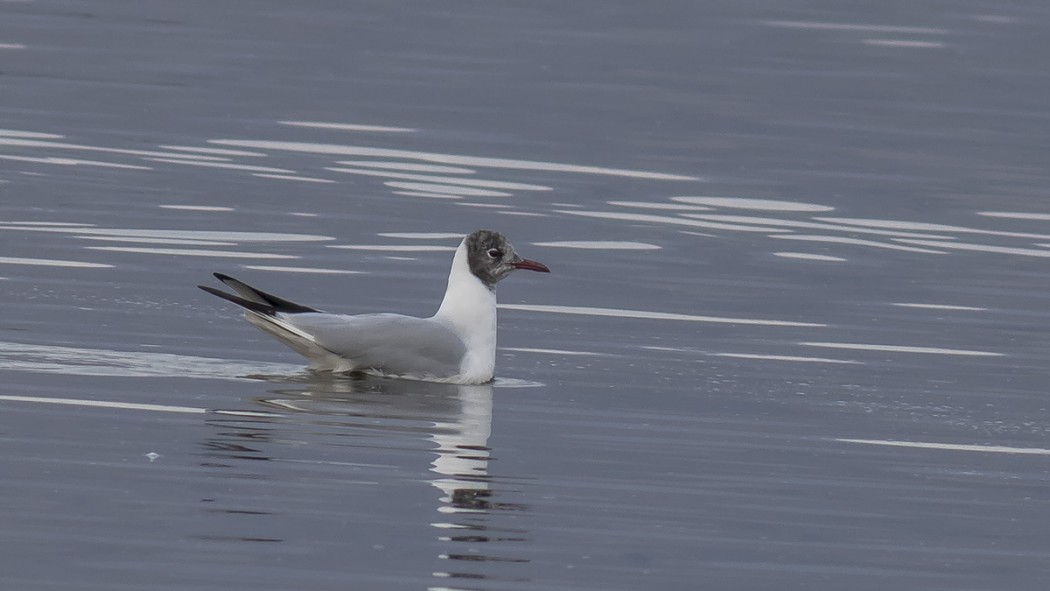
[[495, 253]]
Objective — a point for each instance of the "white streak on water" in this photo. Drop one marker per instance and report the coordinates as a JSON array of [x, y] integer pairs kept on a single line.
[[196, 207], [12, 46], [484, 205], [926, 227], [106, 404], [1000, 449], [785, 358], [1027, 252], [552, 351], [427, 195], [51, 263], [179, 234], [348, 126], [292, 177], [855, 242], [301, 270], [105, 362], [808, 256], [1017, 215], [408, 167], [444, 180], [186, 252], [422, 235], [452, 192], [528, 214], [213, 151], [746, 219], [904, 43], [245, 167], [618, 313], [29, 143], [599, 245], [72, 162], [29, 134], [344, 150], [745, 203], [825, 26], [938, 307], [663, 219], [904, 349], [57, 224], [394, 247], [143, 240], [647, 205]]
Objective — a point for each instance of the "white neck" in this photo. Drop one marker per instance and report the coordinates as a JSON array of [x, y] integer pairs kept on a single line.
[[469, 307]]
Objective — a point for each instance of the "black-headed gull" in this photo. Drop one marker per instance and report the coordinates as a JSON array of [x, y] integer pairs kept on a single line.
[[455, 345]]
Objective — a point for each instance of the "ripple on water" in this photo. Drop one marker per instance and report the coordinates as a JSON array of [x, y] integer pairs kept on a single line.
[[857, 242], [599, 245], [395, 247], [938, 306], [904, 349], [660, 206], [72, 162], [790, 358], [313, 270], [226, 166], [105, 362], [144, 240], [1026, 252], [188, 252], [760, 204], [928, 227], [555, 352], [1016, 215], [348, 127], [425, 194], [163, 234], [1002, 449], [30, 134], [446, 191], [668, 220], [422, 235], [183, 207], [806, 256], [52, 263], [746, 219], [647, 315], [443, 180], [905, 43], [453, 159], [293, 177], [409, 167]]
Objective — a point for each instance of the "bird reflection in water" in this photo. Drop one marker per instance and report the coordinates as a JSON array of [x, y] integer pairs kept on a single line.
[[378, 413]]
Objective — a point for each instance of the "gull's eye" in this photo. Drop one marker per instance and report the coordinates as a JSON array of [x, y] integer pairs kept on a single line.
[[495, 253]]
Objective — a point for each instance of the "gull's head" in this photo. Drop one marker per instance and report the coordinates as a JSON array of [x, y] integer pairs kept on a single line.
[[491, 257]]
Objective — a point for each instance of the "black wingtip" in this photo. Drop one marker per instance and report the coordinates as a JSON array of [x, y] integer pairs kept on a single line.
[[247, 304], [255, 299]]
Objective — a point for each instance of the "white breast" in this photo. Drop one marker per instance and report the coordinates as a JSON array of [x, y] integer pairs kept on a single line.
[[469, 308]]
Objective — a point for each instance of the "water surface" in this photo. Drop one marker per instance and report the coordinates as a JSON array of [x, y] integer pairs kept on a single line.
[[794, 337]]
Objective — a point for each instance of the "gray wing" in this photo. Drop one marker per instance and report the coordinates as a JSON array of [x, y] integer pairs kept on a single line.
[[391, 343]]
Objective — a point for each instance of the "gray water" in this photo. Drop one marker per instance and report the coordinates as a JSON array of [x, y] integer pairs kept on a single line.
[[795, 336]]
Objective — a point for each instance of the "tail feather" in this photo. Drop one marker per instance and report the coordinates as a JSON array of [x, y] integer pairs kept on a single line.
[[253, 299]]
